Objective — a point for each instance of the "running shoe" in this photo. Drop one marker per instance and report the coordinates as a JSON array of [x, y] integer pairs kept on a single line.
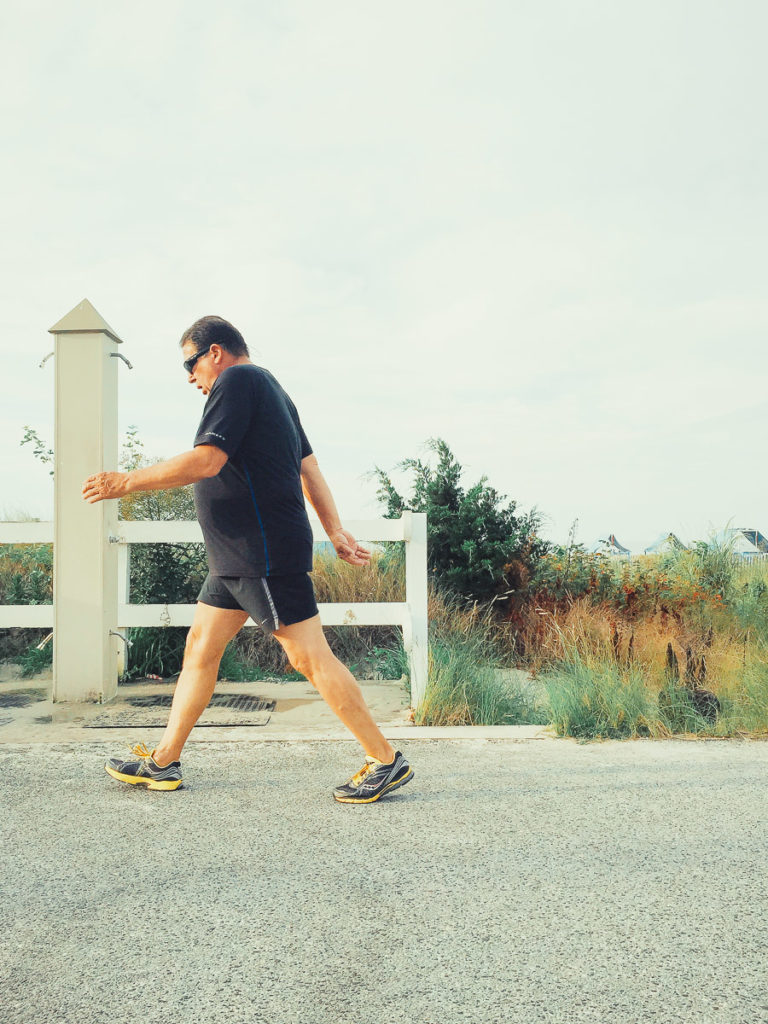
[[145, 772], [374, 780]]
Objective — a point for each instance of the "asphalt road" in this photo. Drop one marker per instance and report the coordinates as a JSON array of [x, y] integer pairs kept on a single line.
[[514, 882]]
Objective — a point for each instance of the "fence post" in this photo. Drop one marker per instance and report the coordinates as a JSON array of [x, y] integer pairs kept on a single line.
[[416, 637], [85, 563]]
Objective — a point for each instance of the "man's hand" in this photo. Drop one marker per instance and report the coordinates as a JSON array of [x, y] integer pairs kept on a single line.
[[348, 548], [105, 485]]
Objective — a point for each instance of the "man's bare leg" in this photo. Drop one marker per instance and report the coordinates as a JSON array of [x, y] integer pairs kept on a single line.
[[309, 653], [209, 634]]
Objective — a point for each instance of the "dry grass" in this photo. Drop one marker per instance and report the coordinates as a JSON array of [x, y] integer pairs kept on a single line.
[[382, 581], [585, 643]]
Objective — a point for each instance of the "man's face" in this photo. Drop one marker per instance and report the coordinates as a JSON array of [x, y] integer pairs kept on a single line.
[[206, 369]]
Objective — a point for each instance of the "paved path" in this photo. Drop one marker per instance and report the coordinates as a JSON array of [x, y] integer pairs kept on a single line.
[[509, 882]]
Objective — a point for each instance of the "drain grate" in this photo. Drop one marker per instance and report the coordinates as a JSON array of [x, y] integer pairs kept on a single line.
[[149, 711], [21, 698], [230, 701]]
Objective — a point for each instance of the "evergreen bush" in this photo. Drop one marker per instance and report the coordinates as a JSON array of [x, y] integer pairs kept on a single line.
[[478, 549]]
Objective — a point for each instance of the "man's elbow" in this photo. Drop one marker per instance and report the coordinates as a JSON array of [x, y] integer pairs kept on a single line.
[[213, 460]]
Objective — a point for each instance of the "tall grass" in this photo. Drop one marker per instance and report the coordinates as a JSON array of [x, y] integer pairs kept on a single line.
[[608, 676], [466, 683], [591, 697]]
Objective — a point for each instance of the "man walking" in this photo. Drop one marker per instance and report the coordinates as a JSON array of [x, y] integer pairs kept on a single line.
[[250, 463]]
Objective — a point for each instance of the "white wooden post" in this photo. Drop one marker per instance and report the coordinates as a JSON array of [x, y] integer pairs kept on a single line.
[[85, 563], [416, 635]]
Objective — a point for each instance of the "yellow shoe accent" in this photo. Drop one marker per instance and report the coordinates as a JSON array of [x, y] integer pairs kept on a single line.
[[133, 780], [170, 784], [378, 796]]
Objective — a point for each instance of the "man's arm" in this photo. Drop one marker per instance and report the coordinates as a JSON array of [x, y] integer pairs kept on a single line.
[[203, 461], [318, 494]]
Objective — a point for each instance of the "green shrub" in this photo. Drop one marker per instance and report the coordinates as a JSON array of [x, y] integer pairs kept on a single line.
[[26, 574], [477, 548], [569, 572], [155, 650], [167, 573]]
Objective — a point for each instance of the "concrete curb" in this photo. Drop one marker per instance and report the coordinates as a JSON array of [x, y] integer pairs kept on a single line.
[[47, 736]]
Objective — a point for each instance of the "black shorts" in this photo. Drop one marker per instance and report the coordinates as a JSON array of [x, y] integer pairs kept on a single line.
[[271, 601]]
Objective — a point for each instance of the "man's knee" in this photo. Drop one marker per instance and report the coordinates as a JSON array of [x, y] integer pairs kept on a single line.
[[310, 660], [201, 648]]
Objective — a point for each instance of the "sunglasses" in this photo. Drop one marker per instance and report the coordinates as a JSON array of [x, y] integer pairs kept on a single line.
[[189, 364]]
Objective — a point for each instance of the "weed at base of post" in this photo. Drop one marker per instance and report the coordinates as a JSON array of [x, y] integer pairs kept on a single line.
[[34, 660]]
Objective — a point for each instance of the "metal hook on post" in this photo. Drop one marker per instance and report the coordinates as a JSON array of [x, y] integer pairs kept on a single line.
[[126, 641], [44, 643], [119, 355]]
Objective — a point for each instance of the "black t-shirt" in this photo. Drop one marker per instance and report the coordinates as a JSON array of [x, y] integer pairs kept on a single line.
[[252, 513]]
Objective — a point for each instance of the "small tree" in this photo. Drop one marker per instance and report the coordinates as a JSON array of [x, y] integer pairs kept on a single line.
[[478, 548], [176, 503], [40, 449]]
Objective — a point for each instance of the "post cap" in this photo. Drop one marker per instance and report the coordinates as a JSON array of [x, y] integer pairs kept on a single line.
[[84, 319]]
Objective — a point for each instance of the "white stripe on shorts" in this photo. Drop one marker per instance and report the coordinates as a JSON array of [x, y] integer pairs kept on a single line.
[[271, 603]]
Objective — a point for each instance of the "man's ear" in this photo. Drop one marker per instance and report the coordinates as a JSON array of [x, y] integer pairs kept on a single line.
[[216, 353]]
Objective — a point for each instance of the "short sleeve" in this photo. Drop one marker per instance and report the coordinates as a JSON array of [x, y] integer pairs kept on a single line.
[[227, 413], [305, 448]]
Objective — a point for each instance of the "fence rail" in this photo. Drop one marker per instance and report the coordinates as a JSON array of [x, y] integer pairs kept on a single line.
[[26, 533]]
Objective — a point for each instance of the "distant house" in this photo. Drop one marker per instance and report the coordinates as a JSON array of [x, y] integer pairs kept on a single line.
[[663, 544], [611, 547], [746, 544], [756, 538]]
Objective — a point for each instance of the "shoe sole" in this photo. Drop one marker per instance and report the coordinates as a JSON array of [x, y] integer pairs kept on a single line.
[[370, 799], [132, 780]]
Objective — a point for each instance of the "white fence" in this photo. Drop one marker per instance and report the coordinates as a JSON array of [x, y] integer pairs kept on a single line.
[[410, 615]]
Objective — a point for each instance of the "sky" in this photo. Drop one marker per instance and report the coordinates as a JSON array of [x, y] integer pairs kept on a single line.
[[537, 231]]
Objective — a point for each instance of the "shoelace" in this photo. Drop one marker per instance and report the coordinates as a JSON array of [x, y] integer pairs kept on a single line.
[[141, 751], [370, 763]]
